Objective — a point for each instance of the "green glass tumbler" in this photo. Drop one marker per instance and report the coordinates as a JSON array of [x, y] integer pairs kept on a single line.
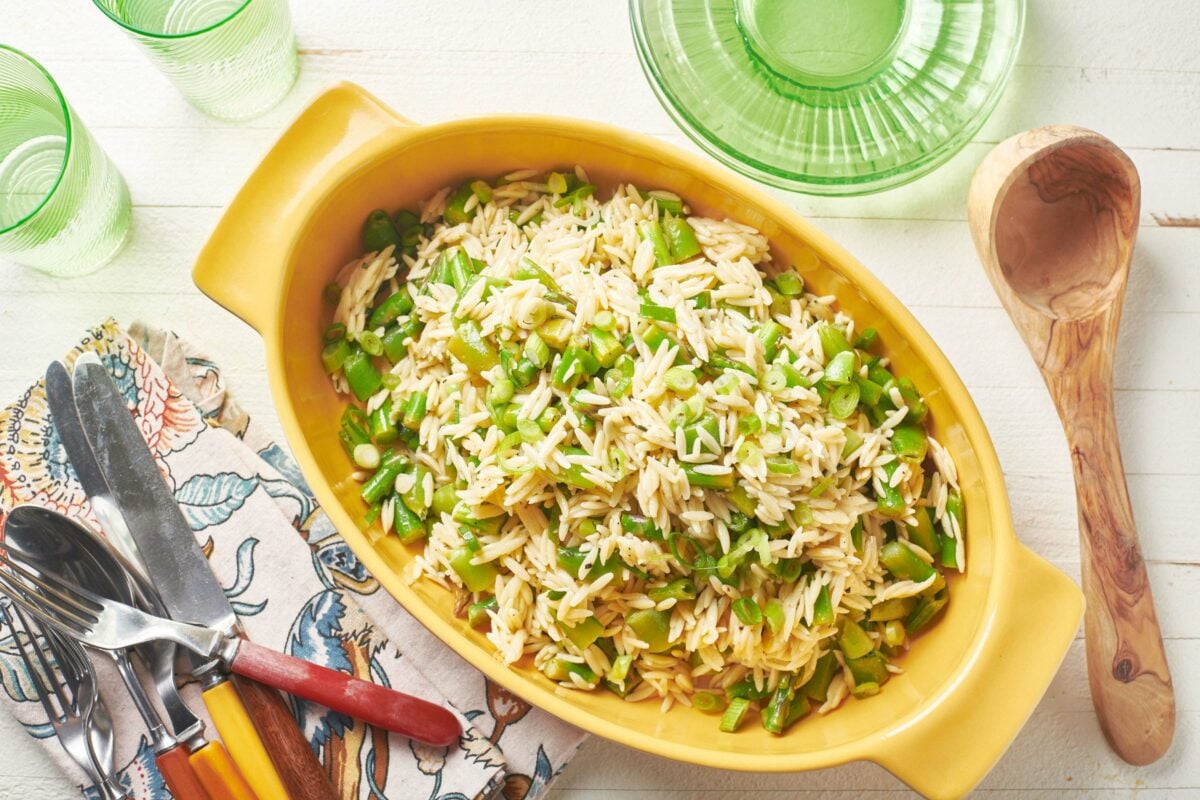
[[64, 207], [232, 59]]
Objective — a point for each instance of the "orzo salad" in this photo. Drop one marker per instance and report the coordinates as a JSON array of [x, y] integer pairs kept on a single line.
[[642, 454]]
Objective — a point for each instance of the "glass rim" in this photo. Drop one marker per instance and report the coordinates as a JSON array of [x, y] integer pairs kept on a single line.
[[159, 35], [66, 113]]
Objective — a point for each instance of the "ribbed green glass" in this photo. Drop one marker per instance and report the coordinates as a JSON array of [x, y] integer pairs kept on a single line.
[[232, 59], [64, 208], [829, 96]]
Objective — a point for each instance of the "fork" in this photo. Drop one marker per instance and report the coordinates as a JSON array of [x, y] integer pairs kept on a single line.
[[68, 695], [100, 622]]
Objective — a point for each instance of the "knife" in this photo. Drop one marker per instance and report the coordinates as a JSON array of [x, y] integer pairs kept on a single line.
[[204, 769], [255, 723]]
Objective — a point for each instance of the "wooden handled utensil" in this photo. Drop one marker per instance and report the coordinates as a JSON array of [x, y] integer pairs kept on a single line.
[[1054, 214]]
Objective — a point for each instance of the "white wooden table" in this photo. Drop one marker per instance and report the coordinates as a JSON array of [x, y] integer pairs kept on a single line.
[[1129, 70]]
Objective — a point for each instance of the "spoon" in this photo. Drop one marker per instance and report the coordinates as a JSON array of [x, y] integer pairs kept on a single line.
[[1054, 214], [57, 545]]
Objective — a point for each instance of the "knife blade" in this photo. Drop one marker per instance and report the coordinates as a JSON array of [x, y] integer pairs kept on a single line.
[[191, 593], [60, 397], [205, 762]]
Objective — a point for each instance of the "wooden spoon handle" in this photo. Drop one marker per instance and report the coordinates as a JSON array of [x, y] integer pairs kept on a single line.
[[1127, 667]]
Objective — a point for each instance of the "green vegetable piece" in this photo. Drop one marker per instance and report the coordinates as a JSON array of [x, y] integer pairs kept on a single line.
[[866, 339], [477, 613], [680, 380], [395, 339], [416, 498], [833, 340], [456, 206], [379, 232], [468, 346], [927, 608], [817, 688], [869, 392], [366, 456], [651, 626], [381, 483], [556, 333], [606, 347], [396, 305], [681, 239], [903, 563], [775, 715], [853, 640], [445, 498], [895, 608], [361, 374], [354, 428], [746, 688], [653, 311], [620, 666], [789, 283], [948, 555], [679, 589], [408, 525], [769, 334], [844, 401], [823, 607], [910, 443], [640, 526], [840, 369], [574, 475], [652, 231], [870, 668], [863, 690], [890, 502], [708, 702], [894, 633], [798, 709], [667, 204], [774, 615], [560, 669], [383, 429], [787, 569], [334, 355], [731, 720], [476, 577], [923, 535], [415, 410], [707, 481], [747, 611], [334, 332], [583, 634], [331, 294]]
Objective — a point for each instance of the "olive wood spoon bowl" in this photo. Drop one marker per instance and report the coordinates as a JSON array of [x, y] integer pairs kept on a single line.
[[1054, 214]]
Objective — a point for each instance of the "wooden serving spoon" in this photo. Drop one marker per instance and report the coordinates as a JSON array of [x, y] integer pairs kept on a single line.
[[1054, 214]]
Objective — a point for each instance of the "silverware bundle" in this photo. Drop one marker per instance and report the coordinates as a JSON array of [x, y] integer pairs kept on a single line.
[[82, 588]]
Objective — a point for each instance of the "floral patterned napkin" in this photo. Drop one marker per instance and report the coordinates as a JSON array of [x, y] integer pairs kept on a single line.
[[293, 581]]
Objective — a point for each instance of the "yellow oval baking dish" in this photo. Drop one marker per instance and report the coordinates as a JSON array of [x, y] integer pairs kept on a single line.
[[969, 683]]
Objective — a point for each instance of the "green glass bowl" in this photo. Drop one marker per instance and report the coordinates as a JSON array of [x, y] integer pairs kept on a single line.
[[830, 97]]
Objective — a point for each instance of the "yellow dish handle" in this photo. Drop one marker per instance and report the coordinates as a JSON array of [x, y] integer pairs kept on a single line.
[[942, 755], [241, 739], [218, 774], [241, 265]]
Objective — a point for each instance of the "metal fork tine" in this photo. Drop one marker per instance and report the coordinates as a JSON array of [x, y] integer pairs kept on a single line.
[[35, 674], [36, 605], [31, 631], [70, 599]]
